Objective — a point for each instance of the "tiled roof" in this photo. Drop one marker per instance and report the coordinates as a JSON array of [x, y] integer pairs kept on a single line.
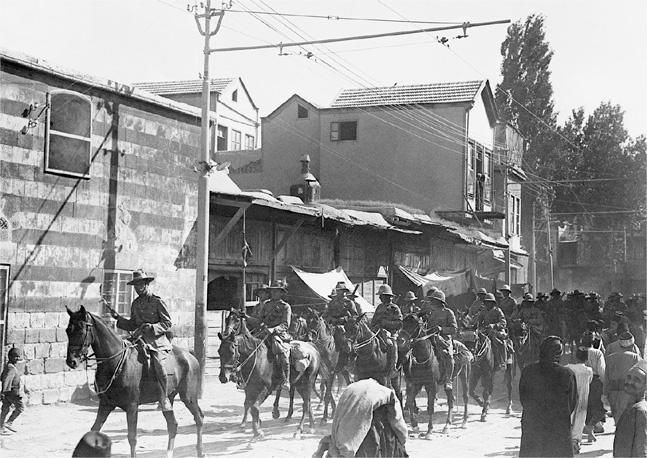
[[183, 86], [464, 91]]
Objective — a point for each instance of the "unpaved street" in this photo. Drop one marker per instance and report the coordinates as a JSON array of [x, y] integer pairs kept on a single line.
[[54, 431]]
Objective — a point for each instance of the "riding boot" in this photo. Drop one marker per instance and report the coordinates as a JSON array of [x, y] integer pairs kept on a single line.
[[160, 374], [284, 361]]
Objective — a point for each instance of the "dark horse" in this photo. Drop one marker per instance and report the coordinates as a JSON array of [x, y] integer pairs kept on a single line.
[[484, 369], [526, 340], [372, 360], [329, 342], [241, 352], [122, 379], [421, 369]]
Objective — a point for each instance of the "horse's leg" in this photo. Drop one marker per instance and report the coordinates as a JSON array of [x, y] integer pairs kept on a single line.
[[508, 383], [291, 407], [474, 380], [171, 427], [488, 380], [464, 375], [431, 389], [449, 392], [253, 409], [244, 420], [102, 414], [310, 416], [306, 407], [191, 403], [410, 405], [131, 419], [275, 409], [328, 398]]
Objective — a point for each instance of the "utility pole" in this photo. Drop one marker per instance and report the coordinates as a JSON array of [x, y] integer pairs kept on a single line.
[[533, 259], [550, 252], [506, 201], [202, 255]]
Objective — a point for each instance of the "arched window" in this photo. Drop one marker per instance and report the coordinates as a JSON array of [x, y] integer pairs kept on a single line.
[[68, 136]]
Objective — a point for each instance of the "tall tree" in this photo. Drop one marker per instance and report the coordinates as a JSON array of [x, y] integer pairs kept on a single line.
[[601, 151], [525, 94]]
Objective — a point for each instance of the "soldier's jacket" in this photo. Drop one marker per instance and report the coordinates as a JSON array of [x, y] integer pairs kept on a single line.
[[476, 308], [149, 309], [493, 316], [509, 307], [256, 313], [531, 315], [444, 318], [388, 317], [276, 315], [338, 309]]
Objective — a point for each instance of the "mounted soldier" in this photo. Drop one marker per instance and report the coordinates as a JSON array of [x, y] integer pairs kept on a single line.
[[340, 306], [272, 324], [493, 321], [409, 305], [263, 295], [386, 322], [541, 301], [150, 320], [507, 304], [441, 321], [614, 304], [477, 306], [530, 314]]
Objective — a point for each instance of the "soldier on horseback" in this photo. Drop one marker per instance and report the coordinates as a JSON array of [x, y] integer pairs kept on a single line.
[[272, 323], [150, 319], [441, 321], [530, 314], [507, 304], [477, 306], [493, 320], [263, 295], [409, 304], [386, 322], [340, 306]]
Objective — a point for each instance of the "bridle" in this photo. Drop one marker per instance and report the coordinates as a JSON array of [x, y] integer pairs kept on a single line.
[[420, 336], [353, 341], [88, 338]]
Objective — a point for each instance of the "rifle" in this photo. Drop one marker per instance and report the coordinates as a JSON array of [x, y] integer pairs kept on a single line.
[[107, 305], [354, 294]]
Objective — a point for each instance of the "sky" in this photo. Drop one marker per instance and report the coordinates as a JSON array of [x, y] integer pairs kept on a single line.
[[600, 47]]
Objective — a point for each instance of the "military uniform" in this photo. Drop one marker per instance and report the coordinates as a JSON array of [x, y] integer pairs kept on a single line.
[[495, 320], [531, 315], [339, 308], [475, 308], [276, 315], [443, 318], [555, 317], [151, 309], [509, 307], [388, 317]]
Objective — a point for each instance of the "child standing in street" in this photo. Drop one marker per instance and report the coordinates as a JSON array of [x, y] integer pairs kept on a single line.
[[12, 391]]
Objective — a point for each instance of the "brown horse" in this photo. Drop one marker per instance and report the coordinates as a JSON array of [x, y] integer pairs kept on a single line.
[[260, 374], [526, 340], [421, 369], [122, 379], [329, 342], [371, 360]]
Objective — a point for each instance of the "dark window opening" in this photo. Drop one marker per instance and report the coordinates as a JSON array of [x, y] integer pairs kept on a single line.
[[68, 137], [223, 293], [342, 131], [234, 96], [302, 112], [222, 138]]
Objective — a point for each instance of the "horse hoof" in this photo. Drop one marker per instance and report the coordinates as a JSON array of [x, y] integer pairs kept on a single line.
[[297, 435], [276, 414], [258, 436], [242, 428], [483, 418], [323, 421], [445, 430], [287, 419], [313, 431], [508, 411], [464, 425], [427, 436]]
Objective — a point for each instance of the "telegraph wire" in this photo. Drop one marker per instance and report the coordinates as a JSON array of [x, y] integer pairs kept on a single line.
[[342, 18]]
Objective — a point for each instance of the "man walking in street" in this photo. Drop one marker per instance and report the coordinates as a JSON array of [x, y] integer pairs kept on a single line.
[[618, 364], [595, 411], [583, 378], [548, 395], [150, 319], [631, 430]]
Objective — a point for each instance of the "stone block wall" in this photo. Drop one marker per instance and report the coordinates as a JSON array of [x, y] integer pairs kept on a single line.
[[136, 210]]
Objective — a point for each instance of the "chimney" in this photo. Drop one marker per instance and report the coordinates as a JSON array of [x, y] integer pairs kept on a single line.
[[312, 191]]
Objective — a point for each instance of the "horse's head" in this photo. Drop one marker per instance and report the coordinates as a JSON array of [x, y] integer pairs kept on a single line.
[[352, 329], [80, 336], [518, 328], [228, 352], [232, 322], [411, 328]]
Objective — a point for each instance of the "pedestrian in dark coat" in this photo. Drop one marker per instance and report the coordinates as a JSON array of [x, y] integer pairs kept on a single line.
[[631, 430], [548, 395]]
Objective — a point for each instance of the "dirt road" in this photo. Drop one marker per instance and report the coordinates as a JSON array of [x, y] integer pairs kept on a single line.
[[54, 431]]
